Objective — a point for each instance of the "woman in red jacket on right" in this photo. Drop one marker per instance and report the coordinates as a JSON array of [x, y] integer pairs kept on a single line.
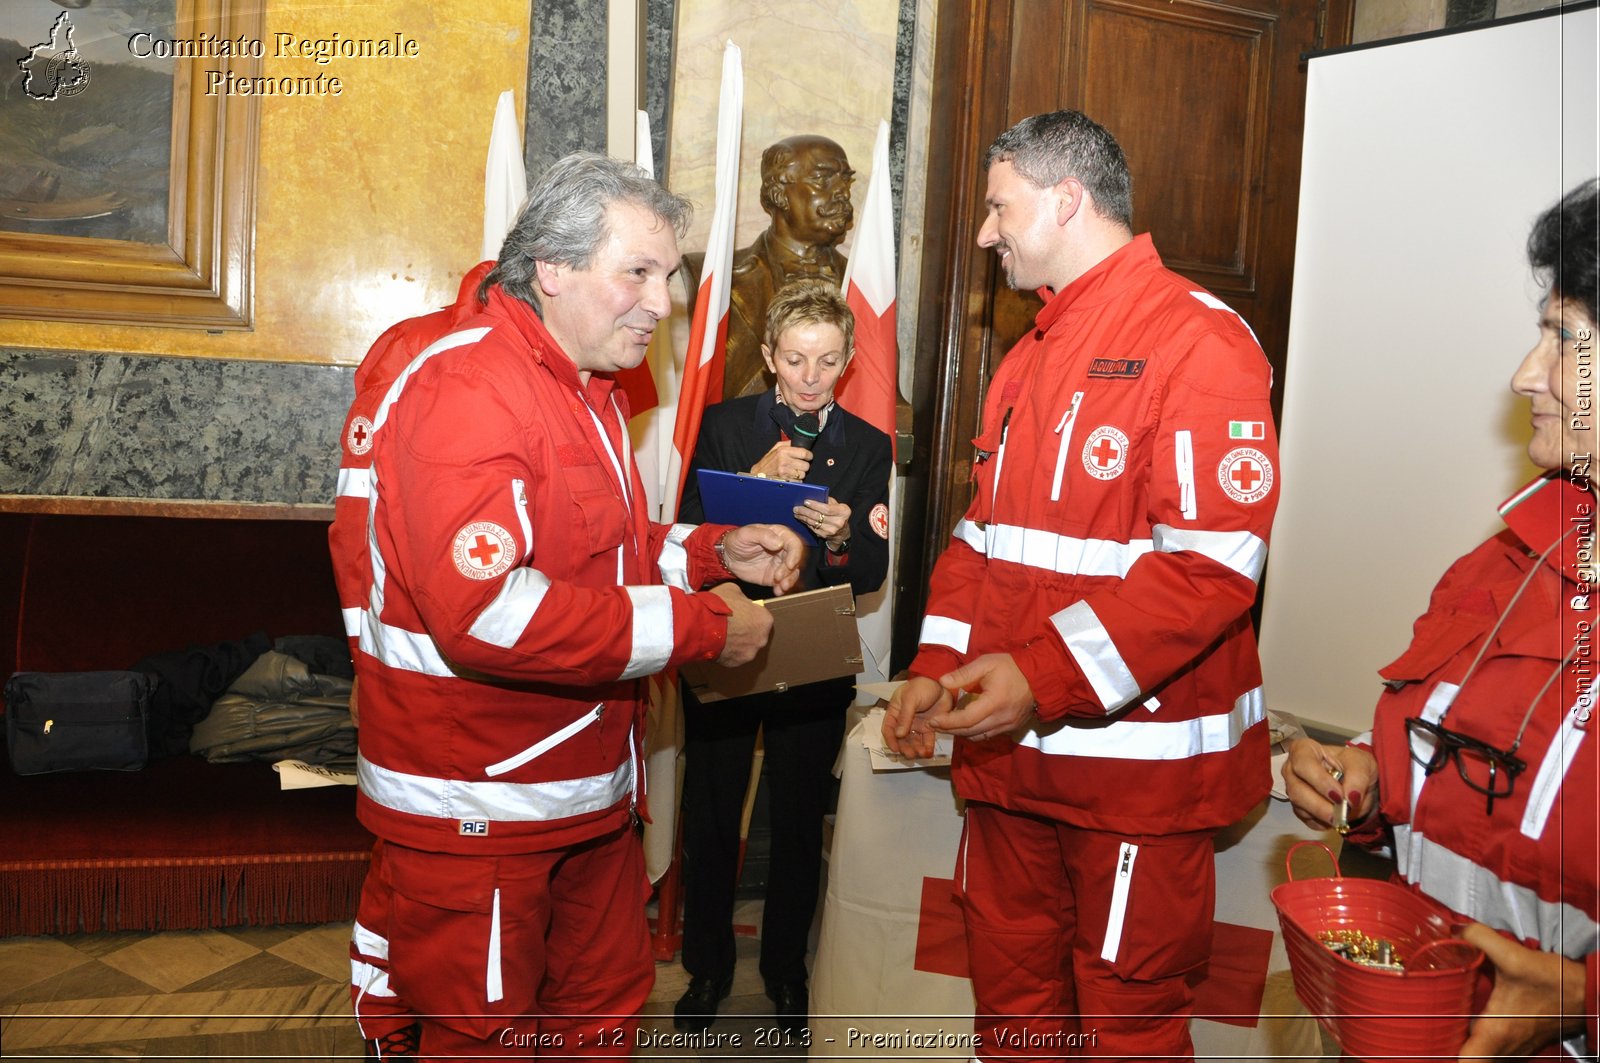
[[1480, 770]]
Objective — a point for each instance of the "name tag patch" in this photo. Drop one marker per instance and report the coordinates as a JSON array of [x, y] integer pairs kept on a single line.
[[474, 826], [1116, 368]]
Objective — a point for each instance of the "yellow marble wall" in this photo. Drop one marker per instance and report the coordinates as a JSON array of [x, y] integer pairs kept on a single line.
[[825, 66], [369, 205]]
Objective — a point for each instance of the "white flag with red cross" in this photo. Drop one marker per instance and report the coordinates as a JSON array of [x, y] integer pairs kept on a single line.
[[708, 328]]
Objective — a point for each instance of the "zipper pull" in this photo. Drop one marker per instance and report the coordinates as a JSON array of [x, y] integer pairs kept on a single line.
[[47, 725], [1127, 858]]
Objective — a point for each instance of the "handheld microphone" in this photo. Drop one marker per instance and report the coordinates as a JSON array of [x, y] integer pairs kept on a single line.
[[805, 431]]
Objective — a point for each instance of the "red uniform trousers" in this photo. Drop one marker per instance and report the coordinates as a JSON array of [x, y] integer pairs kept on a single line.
[[537, 955], [1079, 941]]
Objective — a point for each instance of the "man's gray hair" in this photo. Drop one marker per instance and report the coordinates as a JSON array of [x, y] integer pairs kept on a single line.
[[1048, 148], [564, 220]]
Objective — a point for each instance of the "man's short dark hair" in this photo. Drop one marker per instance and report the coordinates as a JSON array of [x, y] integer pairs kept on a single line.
[[1048, 148], [1565, 244]]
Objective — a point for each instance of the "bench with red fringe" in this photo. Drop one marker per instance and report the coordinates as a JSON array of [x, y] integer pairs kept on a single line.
[[183, 844]]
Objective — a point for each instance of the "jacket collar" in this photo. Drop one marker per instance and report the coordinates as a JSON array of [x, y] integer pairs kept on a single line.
[[544, 348], [1105, 280], [1548, 509]]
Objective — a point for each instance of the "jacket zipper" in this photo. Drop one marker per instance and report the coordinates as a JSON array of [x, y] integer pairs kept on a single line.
[[544, 745], [1119, 902], [999, 462], [1183, 450], [1064, 430], [519, 501]]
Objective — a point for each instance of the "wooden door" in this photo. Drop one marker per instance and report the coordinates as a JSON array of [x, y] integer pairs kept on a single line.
[[1207, 99]]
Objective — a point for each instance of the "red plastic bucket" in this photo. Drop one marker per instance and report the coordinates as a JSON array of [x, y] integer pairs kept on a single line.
[[1374, 1013]]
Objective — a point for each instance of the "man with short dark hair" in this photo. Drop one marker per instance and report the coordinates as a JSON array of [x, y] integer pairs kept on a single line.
[[1088, 636], [517, 596]]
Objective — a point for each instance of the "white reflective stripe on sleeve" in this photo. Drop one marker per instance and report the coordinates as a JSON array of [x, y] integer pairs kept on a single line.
[[1119, 901], [1478, 893], [545, 744], [1130, 739], [355, 483], [674, 561], [1090, 645], [1422, 744], [409, 651], [1558, 757], [458, 799], [973, 534], [652, 631], [1183, 455], [945, 631], [352, 621], [493, 990], [507, 616], [1242, 551], [1064, 554], [1217, 304], [439, 346]]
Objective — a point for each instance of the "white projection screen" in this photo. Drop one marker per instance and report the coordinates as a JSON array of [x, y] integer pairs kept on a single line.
[[1425, 163]]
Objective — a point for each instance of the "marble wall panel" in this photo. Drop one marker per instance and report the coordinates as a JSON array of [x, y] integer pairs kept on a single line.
[[138, 426], [566, 82]]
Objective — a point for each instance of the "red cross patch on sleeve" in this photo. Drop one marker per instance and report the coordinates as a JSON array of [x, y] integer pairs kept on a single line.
[[483, 550], [1245, 474]]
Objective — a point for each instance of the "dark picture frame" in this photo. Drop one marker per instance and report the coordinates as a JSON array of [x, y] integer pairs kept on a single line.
[[200, 274]]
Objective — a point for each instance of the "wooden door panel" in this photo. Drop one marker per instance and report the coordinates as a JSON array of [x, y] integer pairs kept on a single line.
[[1185, 90]]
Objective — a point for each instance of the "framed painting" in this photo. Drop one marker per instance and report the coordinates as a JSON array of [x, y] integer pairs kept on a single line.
[[127, 161]]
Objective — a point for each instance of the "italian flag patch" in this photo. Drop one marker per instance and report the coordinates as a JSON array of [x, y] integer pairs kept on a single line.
[[1247, 430]]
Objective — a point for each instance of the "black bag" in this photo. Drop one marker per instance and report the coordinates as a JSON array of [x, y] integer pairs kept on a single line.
[[77, 721]]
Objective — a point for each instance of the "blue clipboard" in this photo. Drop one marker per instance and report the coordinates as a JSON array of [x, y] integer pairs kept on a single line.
[[739, 498]]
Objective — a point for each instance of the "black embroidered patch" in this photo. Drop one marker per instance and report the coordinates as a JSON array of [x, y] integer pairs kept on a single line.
[[1116, 368]]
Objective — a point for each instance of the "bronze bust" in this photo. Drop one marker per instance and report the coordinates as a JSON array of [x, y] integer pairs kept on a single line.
[[805, 189]]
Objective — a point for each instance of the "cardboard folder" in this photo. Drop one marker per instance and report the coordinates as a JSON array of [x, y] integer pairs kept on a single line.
[[813, 638], [739, 498]]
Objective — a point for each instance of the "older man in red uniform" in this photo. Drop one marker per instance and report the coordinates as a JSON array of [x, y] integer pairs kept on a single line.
[[517, 595], [1088, 632]]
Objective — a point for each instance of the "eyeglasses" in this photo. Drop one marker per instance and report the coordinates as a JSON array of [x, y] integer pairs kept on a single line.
[[1490, 771]]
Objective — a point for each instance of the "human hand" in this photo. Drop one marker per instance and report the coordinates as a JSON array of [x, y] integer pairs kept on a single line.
[[829, 521], [907, 725], [749, 626], [784, 461], [1537, 1000], [355, 711], [768, 554], [1004, 701], [1316, 778]]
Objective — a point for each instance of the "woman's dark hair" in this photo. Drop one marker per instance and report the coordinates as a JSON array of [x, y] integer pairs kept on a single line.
[[1565, 245]]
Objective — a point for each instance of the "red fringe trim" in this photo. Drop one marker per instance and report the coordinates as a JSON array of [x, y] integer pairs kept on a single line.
[[89, 896]]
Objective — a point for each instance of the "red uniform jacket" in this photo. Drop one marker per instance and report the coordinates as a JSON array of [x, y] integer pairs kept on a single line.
[[1125, 488], [515, 598]]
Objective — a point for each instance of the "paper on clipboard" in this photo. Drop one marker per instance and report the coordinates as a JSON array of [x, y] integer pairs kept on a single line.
[[738, 498]]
